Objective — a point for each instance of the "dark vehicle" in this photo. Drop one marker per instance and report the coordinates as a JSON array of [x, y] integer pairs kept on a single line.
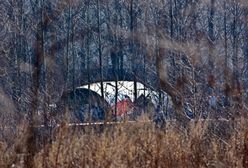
[[85, 105]]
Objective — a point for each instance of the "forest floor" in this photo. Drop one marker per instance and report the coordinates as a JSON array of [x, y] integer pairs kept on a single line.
[[201, 143]]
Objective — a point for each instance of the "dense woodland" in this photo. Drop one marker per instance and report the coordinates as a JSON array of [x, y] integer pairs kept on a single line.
[[195, 49], [47, 45]]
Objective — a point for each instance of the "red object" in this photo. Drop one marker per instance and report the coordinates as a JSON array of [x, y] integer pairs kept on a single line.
[[123, 107]]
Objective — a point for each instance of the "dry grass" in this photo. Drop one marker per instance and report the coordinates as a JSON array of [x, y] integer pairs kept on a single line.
[[138, 145]]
